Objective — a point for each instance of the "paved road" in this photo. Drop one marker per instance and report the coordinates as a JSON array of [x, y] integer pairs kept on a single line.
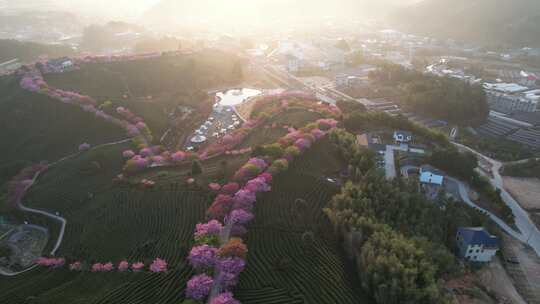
[[63, 221], [389, 163], [529, 233], [464, 195], [92, 148]]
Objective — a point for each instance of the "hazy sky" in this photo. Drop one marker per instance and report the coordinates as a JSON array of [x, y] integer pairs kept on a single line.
[[110, 8], [226, 12]]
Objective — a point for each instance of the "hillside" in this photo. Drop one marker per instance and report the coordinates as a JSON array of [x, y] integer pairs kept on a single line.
[[101, 227], [36, 128], [30, 51], [491, 22]]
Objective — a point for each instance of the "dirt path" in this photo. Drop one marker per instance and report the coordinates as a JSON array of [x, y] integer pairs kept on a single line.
[[526, 274], [495, 278]]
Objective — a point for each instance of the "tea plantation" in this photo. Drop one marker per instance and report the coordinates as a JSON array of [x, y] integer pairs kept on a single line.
[[36, 128], [294, 255]]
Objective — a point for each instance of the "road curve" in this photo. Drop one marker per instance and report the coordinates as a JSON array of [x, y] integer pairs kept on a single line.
[[464, 194], [529, 233], [63, 221]]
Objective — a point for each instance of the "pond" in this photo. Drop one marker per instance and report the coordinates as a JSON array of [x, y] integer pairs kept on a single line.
[[235, 97], [223, 119]]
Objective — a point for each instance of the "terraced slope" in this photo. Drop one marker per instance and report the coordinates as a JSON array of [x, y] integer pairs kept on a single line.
[[294, 256], [109, 222], [34, 128], [130, 224]]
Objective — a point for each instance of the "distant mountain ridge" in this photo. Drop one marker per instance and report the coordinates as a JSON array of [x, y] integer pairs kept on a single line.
[[493, 22]]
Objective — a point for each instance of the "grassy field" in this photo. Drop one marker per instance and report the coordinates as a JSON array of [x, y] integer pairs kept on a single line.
[[36, 128]]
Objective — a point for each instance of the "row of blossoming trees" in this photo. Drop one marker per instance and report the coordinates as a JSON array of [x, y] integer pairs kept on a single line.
[[219, 252], [157, 266], [135, 127], [32, 80], [273, 103]]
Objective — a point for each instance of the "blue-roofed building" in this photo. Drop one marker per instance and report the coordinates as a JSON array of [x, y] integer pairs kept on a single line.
[[475, 244]]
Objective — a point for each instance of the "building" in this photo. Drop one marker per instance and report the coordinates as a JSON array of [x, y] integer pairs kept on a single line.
[[402, 136], [343, 80], [293, 63], [475, 244], [509, 103], [507, 88], [428, 177], [528, 79]]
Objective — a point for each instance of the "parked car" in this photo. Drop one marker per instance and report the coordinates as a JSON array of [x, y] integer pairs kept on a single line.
[[512, 260]]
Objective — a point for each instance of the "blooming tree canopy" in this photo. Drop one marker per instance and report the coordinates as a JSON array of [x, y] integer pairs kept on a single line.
[[137, 266], [128, 154], [214, 186], [239, 216], [198, 288], [230, 188], [202, 257], [158, 265], [213, 227], [84, 147], [224, 298], [123, 266]]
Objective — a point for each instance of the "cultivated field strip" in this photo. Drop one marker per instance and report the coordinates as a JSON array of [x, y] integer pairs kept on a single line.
[[293, 255], [127, 224]]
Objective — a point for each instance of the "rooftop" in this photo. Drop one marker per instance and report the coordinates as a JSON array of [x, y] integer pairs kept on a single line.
[[404, 133], [478, 236], [505, 87], [430, 178]]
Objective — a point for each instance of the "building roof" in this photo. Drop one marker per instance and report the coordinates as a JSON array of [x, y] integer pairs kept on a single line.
[[478, 236], [404, 133], [505, 87], [532, 118], [427, 177]]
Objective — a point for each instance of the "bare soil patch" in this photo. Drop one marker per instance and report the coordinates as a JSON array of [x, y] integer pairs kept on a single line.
[[525, 190]]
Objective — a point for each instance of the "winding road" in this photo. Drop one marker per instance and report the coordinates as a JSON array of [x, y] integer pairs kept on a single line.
[[63, 221], [529, 233], [463, 190]]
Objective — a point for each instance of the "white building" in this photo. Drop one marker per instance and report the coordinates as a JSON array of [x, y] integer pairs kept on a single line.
[[475, 244], [427, 177], [402, 136]]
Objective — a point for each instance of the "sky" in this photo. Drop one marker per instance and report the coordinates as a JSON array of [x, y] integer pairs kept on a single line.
[[108, 8], [216, 11]]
